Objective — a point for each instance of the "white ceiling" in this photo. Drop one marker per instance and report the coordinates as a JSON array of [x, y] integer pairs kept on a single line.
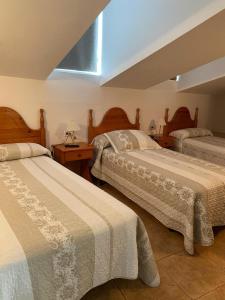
[[197, 47], [213, 87], [35, 35]]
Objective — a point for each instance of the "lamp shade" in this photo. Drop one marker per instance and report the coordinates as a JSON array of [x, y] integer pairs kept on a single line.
[[152, 125], [72, 126]]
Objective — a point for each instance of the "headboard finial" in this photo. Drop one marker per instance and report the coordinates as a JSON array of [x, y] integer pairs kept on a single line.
[[90, 125], [167, 115], [137, 117], [90, 121], [42, 128], [42, 117], [196, 116]]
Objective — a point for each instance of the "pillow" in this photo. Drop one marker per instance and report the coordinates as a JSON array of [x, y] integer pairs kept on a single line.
[[190, 132], [101, 142], [21, 150], [129, 140]]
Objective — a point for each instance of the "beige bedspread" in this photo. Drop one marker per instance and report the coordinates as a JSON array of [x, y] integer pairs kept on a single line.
[[184, 193], [60, 235], [209, 148]]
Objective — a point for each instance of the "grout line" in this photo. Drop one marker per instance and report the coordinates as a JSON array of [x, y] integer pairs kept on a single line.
[[218, 287], [121, 291], [123, 294], [214, 289], [173, 280], [174, 253]]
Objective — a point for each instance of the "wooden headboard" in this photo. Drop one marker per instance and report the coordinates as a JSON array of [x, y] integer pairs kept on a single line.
[[13, 128], [114, 119], [181, 120]]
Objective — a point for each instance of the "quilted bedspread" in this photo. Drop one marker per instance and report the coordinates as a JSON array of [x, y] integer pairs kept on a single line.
[[61, 236]]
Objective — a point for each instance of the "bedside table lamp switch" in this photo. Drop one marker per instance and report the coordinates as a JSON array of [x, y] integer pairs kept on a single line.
[[70, 137]]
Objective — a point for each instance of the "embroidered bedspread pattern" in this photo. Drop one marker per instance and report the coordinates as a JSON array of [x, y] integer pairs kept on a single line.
[[63, 236], [184, 193], [209, 148]]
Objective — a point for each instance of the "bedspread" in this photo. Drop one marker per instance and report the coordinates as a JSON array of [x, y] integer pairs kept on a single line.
[[184, 193], [60, 235], [209, 148]]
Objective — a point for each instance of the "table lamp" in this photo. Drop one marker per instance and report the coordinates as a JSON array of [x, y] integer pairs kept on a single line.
[[152, 127], [70, 137]]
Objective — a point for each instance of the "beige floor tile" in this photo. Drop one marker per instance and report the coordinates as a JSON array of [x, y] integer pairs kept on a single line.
[[164, 242], [108, 291], [168, 290], [196, 275], [182, 276], [216, 252], [218, 294]]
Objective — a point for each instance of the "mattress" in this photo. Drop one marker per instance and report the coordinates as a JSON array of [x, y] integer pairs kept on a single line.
[[61, 236], [184, 193]]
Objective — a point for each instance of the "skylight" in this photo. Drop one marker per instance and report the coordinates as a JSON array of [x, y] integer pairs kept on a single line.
[[86, 56]]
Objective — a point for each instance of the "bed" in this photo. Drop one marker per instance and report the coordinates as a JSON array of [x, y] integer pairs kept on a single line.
[[194, 141], [183, 193], [60, 235]]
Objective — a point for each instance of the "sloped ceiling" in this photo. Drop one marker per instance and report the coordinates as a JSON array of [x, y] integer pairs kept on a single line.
[[213, 87], [197, 47], [35, 35], [207, 79]]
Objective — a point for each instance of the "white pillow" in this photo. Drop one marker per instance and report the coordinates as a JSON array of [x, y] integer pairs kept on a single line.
[[191, 132], [21, 150], [129, 140]]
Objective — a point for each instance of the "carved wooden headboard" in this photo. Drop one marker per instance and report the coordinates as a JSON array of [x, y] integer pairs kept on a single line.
[[13, 128], [114, 119], [181, 120]]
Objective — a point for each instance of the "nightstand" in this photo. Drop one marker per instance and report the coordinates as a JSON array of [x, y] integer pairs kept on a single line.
[[83, 153], [164, 141]]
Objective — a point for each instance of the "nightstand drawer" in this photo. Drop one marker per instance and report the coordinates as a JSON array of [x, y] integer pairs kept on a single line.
[[78, 155], [83, 153]]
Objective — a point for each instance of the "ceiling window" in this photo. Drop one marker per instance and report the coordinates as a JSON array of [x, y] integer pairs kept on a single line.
[[86, 56]]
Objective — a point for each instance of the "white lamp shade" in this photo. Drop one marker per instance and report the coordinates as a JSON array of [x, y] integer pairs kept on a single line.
[[152, 125], [73, 126]]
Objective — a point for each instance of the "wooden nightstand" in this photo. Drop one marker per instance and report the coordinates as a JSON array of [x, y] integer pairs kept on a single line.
[[83, 153], [164, 141]]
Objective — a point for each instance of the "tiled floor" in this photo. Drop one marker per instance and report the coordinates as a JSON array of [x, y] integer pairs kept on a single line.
[[182, 276]]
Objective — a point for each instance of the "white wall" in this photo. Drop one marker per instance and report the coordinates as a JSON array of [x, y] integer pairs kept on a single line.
[[151, 25], [70, 98], [218, 114]]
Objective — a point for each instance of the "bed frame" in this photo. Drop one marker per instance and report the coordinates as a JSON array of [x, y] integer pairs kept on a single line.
[[181, 120], [13, 128], [114, 119]]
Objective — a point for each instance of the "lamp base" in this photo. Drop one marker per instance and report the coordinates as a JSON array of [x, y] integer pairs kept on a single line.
[[71, 145]]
